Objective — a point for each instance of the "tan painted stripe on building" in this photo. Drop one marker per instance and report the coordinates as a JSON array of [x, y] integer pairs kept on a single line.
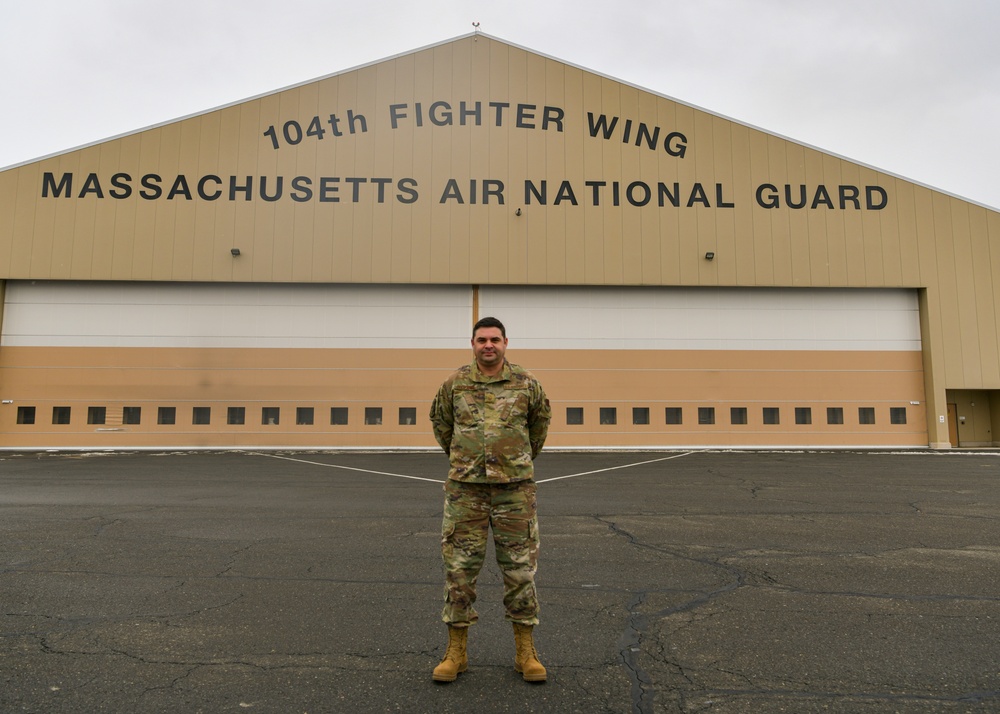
[[406, 377]]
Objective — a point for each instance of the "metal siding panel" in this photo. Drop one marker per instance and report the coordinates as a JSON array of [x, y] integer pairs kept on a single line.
[[584, 233], [815, 224], [877, 270], [948, 292], [183, 232], [904, 210], [44, 223], [799, 246], [723, 241], [990, 336], [224, 222], [689, 230], [18, 227], [295, 234], [970, 309], [885, 235], [313, 165], [210, 255], [742, 256], [780, 238], [763, 245], [80, 248], [103, 242], [364, 254], [410, 225], [857, 268], [837, 239], [343, 236]]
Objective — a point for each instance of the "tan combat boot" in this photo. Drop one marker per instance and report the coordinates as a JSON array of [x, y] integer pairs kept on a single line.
[[526, 660], [455, 659]]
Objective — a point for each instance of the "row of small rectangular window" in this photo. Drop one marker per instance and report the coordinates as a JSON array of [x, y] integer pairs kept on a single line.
[[737, 415], [203, 415], [305, 416]]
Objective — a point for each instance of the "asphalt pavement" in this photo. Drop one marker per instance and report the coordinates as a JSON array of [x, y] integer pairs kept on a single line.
[[310, 582]]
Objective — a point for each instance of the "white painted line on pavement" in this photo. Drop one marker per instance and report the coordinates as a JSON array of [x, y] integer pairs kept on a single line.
[[438, 481], [346, 468], [615, 468]]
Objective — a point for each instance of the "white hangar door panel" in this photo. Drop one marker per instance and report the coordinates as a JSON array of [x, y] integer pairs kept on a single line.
[[729, 366], [139, 364], [95, 314]]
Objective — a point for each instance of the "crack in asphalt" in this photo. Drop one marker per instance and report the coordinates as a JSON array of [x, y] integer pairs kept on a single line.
[[637, 623], [888, 697]]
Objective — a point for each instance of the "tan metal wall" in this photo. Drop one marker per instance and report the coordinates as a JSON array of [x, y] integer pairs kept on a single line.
[[287, 379], [419, 231]]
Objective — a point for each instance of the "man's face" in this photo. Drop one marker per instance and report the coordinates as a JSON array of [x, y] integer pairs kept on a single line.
[[489, 345]]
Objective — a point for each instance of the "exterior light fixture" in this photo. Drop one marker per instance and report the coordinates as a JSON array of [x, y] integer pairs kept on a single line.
[[235, 252], [709, 255]]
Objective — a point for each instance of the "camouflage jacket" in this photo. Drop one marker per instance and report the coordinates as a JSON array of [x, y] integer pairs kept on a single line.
[[492, 428]]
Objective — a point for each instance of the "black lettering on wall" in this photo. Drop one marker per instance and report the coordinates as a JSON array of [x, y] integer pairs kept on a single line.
[[151, 185], [849, 194], [180, 187], [407, 190], [49, 185], [871, 192], [202, 190], [91, 185], [822, 197], [278, 189], [122, 186], [301, 189]]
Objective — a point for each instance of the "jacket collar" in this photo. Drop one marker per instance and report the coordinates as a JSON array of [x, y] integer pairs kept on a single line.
[[504, 375]]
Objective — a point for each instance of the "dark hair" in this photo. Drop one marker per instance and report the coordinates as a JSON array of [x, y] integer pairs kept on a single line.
[[489, 322]]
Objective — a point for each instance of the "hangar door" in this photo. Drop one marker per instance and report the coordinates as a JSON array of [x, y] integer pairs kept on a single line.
[[649, 366], [186, 364], [174, 364]]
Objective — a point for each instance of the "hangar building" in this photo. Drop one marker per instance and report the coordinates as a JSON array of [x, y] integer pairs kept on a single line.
[[302, 269]]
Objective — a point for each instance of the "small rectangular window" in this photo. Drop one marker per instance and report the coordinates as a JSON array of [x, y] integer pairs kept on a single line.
[[609, 415], [737, 415], [304, 416], [166, 415], [706, 415], [407, 416], [25, 415], [373, 416], [640, 415], [338, 416], [834, 415], [201, 415], [803, 415], [236, 415], [897, 415], [270, 416], [60, 415], [574, 415], [675, 415], [97, 415], [866, 415], [772, 415], [131, 415]]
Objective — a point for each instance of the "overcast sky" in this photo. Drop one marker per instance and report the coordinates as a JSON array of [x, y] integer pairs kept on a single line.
[[911, 87]]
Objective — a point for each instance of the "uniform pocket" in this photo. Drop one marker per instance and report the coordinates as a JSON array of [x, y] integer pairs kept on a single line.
[[468, 405], [513, 407]]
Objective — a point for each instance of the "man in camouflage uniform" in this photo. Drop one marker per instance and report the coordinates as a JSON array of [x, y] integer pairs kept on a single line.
[[491, 417]]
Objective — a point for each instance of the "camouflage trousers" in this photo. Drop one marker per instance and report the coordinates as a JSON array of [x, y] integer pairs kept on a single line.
[[470, 510]]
